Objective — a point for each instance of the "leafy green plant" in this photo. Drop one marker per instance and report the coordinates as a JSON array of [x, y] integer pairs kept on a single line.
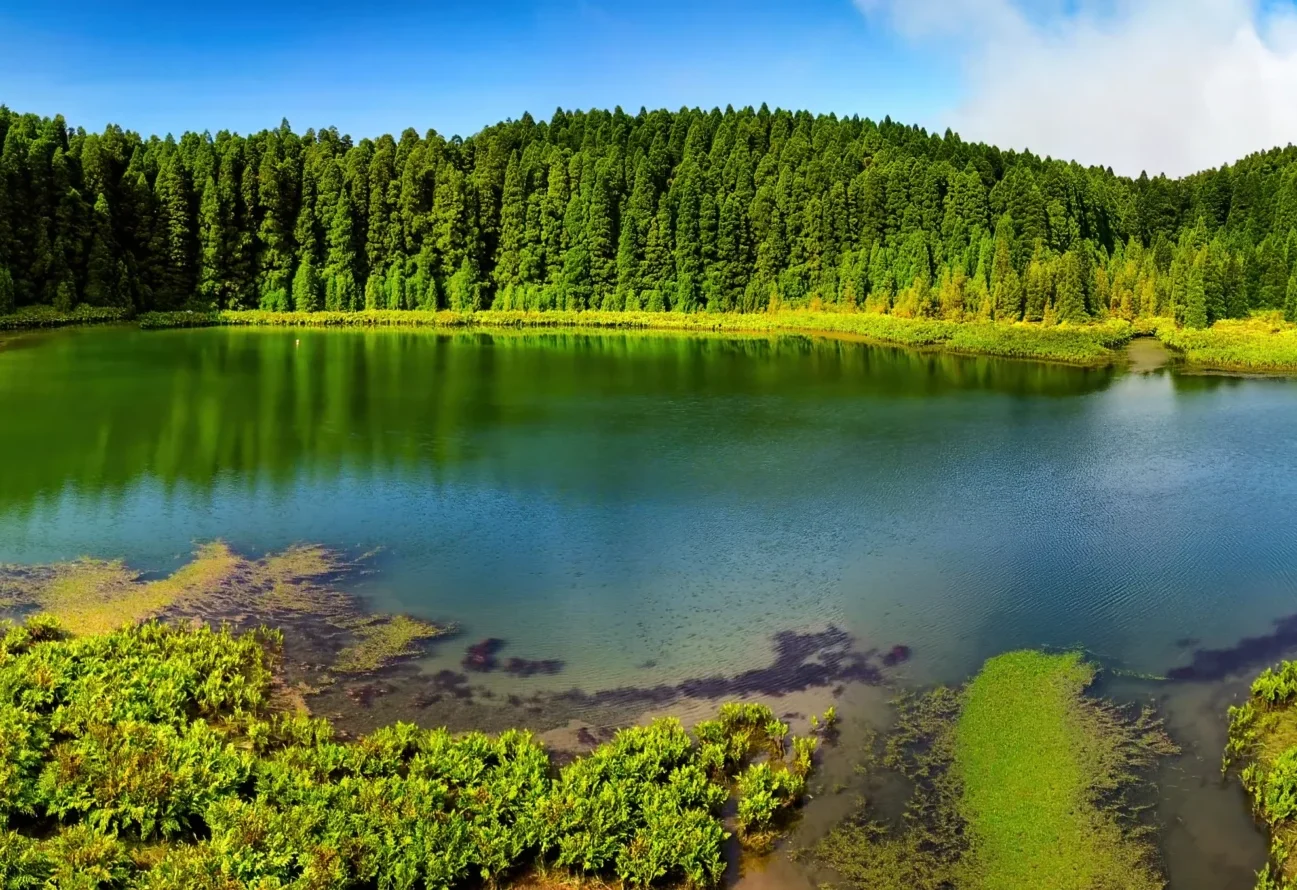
[[154, 756]]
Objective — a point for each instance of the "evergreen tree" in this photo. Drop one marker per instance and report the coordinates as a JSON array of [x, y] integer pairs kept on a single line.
[[1069, 292], [306, 287], [105, 272], [1195, 302], [341, 291], [6, 292]]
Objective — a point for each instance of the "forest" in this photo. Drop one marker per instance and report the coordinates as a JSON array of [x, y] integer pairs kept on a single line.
[[734, 210]]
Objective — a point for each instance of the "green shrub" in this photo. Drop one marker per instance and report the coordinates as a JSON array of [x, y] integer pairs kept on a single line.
[[161, 739]]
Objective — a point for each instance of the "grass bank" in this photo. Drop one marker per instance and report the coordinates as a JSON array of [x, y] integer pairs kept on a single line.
[[1084, 345], [1262, 747], [1019, 781], [1262, 344], [151, 757], [30, 317]]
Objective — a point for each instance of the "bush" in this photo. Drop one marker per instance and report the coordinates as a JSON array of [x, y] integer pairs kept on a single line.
[[162, 738]]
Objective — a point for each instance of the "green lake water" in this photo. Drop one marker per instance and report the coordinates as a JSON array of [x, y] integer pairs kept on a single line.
[[653, 509]]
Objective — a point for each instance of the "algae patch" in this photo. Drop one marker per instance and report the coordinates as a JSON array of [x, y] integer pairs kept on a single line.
[[1020, 781], [295, 589], [382, 640]]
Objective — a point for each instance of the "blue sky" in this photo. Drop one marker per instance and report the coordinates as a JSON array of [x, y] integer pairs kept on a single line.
[[373, 66], [1157, 85]]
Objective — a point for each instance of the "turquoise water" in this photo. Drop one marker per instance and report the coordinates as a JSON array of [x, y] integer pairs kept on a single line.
[[653, 508]]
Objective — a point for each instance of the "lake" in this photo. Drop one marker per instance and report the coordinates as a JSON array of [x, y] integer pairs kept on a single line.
[[655, 510]]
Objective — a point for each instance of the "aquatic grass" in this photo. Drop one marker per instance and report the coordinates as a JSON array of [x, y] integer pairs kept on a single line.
[[90, 596], [384, 640], [1091, 344], [1020, 781], [217, 585], [151, 758], [1033, 757]]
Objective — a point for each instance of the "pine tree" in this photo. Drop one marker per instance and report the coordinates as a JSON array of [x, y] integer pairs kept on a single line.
[[306, 287], [1069, 292], [1195, 301], [1289, 307], [1006, 289], [176, 281], [105, 272], [341, 291], [6, 292], [214, 273]]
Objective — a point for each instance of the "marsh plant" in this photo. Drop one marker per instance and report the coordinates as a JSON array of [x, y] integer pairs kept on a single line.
[[1019, 780], [1263, 747], [151, 757]]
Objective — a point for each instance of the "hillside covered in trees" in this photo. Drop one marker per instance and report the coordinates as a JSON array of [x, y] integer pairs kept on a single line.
[[723, 211]]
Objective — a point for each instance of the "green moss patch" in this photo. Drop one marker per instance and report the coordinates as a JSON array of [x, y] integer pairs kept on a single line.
[[1020, 782]]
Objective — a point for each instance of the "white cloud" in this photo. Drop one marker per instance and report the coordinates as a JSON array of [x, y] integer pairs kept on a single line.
[[1164, 85]]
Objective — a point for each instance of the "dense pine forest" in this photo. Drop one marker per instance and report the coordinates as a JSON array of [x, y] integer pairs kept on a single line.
[[721, 211]]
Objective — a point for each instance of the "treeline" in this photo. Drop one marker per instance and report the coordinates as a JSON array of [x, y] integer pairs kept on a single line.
[[722, 210]]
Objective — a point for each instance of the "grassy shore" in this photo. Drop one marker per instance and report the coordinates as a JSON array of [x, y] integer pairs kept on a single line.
[[1263, 747], [1084, 345], [1019, 781], [30, 317], [1264, 343], [153, 758]]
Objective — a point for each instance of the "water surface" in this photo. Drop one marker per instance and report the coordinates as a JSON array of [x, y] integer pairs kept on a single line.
[[654, 508]]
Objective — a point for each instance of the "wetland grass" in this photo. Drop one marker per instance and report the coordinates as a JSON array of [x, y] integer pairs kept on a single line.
[[1264, 343], [1263, 747], [383, 640], [1037, 761], [1020, 781], [291, 588], [1088, 344]]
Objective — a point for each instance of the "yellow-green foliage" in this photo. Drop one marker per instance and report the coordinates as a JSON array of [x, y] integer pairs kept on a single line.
[[1018, 781], [1034, 757], [89, 596], [1082, 344], [49, 317], [383, 640], [149, 758], [1263, 742], [1262, 343], [95, 596]]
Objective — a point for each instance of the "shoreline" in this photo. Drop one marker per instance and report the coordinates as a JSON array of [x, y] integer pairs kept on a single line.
[[1094, 345], [1261, 346]]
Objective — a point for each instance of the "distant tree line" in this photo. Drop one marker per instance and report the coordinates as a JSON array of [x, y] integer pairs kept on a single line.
[[689, 211]]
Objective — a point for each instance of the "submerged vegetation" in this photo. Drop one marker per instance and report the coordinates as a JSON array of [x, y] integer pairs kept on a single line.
[[1020, 780], [89, 596], [150, 757], [1263, 742]]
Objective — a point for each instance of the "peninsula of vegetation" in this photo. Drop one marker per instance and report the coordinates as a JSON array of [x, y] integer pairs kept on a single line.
[[1263, 746], [1020, 781], [684, 213]]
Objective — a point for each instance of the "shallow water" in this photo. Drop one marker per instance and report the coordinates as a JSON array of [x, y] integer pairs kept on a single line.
[[652, 509]]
